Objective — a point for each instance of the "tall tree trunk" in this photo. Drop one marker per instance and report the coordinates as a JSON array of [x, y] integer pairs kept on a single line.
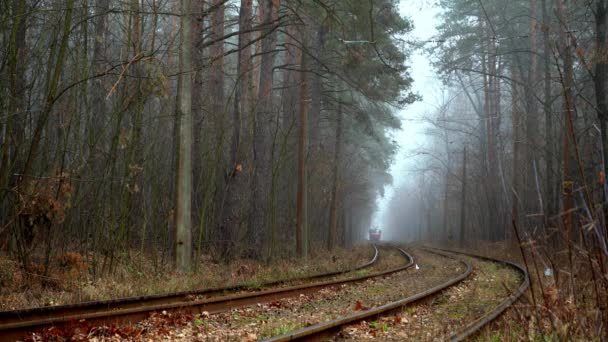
[[599, 80], [13, 126], [291, 79], [446, 140], [491, 108], [53, 83], [263, 121], [335, 186], [301, 205], [216, 79], [532, 125], [98, 108], [257, 53], [288, 130], [550, 195], [235, 180], [316, 104], [217, 121], [183, 196], [517, 128], [348, 226], [567, 83], [446, 230], [463, 198], [198, 104], [135, 101]]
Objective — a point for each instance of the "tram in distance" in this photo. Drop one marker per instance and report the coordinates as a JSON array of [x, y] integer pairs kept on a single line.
[[375, 234]]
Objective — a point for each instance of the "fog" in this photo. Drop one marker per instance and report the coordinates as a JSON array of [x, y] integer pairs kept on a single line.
[[411, 137]]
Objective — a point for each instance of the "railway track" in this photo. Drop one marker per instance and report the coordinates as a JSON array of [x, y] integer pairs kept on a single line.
[[16, 324], [489, 316], [331, 328]]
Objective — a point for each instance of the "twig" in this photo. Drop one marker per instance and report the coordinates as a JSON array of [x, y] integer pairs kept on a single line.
[[140, 56]]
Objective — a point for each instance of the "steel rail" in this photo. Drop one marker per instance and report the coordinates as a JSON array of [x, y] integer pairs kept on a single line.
[[181, 296], [491, 315], [325, 329], [322, 330], [120, 315]]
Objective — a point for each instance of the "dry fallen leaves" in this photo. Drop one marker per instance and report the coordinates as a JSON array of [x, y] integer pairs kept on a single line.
[[359, 306]]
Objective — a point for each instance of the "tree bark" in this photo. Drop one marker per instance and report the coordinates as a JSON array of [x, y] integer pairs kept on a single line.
[[183, 197], [263, 121], [216, 82], [446, 230], [532, 126], [301, 205], [599, 80], [516, 120], [50, 96], [567, 83], [98, 109], [291, 79], [463, 198], [316, 105], [491, 108], [335, 195], [13, 127], [198, 104], [235, 180], [550, 194]]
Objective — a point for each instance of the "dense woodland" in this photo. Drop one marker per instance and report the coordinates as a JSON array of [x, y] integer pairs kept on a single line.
[[256, 128], [178, 129], [516, 152], [519, 136], [192, 132]]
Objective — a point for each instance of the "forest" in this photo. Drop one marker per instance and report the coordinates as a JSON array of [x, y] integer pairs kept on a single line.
[[163, 139], [181, 128]]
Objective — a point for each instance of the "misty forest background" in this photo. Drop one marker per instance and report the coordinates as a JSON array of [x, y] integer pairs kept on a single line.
[[517, 144], [259, 128]]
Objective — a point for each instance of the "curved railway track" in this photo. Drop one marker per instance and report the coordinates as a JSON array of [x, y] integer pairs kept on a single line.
[[327, 329], [175, 297], [491, 315], [16, 324]]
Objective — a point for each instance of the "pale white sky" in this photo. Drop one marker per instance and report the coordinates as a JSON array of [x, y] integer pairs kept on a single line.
[[423, 13]]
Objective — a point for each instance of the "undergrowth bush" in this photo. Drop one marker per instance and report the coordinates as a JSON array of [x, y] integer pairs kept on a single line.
[[70, 277]]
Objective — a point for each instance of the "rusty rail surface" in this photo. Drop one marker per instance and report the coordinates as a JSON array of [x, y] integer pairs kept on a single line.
[[15, 324], [491, 315], [180, 296], [323, 330]]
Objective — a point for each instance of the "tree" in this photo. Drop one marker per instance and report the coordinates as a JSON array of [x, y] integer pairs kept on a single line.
[[301, 216], [108, 168], [183, 118], [335, 187], [599, 79], [263, 122], [233, 209]]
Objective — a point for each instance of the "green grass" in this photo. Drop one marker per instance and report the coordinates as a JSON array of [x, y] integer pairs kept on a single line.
[[410, 310], [262, 318], [361, 273], [440, 299], [377, 289], [281, 329], [458, 311]]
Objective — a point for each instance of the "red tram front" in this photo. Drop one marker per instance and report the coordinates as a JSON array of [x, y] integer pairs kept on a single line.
[[375, 234]]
